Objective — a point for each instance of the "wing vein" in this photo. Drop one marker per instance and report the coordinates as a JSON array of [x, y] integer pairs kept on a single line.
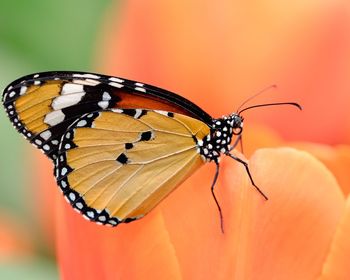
[[185, 126], [135, 163], [122, 185], [99, 180], [160, 184], [165, 156]]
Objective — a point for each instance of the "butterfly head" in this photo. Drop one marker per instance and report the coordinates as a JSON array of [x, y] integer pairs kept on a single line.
[[236, 123]]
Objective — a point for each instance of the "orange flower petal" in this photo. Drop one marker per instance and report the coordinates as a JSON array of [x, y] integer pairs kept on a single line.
[[46, 191], [337, 262], [258, 136], [288, 235], [90, 251], [337, 160]]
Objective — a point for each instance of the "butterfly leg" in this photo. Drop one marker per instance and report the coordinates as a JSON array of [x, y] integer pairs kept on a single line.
[[248, 172], [213, 193], [238, 140]]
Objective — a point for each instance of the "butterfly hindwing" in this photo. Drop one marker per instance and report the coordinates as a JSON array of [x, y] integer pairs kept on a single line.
[[44, 105], [114, 166]]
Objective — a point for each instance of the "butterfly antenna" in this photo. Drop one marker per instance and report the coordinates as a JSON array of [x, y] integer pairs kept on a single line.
[[270, 104], [215, 199], [256, 94]]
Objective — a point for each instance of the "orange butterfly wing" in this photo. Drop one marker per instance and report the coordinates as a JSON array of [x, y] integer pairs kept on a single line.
[[44, 105]]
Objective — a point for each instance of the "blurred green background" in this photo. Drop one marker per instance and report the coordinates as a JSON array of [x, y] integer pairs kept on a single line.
[[37, 36]]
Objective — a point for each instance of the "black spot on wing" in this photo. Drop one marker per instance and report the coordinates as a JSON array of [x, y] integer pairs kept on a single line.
[[128, 146], [135, 113], [100, 92], [122, 158], [145, 136], [129, 220], [129, 112]]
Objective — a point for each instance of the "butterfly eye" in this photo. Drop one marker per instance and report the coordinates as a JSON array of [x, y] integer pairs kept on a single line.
[[237, 130]]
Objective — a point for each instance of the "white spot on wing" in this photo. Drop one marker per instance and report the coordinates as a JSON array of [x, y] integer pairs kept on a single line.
[[117, 110], [138, 113], [64, 171], [140, 89], [82, 123], [23, 90], [91, 214], [103, 104], [46, 134], [46, 147], [117, 85], [164, 113], [102, 218], [72, 88], [72, 196], [139, 84], [106, 96], [12, 93], [88, 82], [63, 184], [64, 101], [88, 75], [54, 117], [115, 79], [79, 205]]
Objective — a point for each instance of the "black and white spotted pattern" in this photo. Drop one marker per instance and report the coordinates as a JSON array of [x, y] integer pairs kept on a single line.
[[219, 140]]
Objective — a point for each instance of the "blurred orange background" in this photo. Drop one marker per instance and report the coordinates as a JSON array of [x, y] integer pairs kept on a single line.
[[216, 55]]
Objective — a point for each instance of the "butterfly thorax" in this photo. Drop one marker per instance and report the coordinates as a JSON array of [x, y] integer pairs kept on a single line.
[[218, 141]]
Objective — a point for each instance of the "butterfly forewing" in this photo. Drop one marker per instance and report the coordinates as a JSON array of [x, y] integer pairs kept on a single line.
[[44, 105], [114, 167]]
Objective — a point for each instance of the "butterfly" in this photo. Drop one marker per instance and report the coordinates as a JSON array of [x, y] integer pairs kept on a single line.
[[119, 147]]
